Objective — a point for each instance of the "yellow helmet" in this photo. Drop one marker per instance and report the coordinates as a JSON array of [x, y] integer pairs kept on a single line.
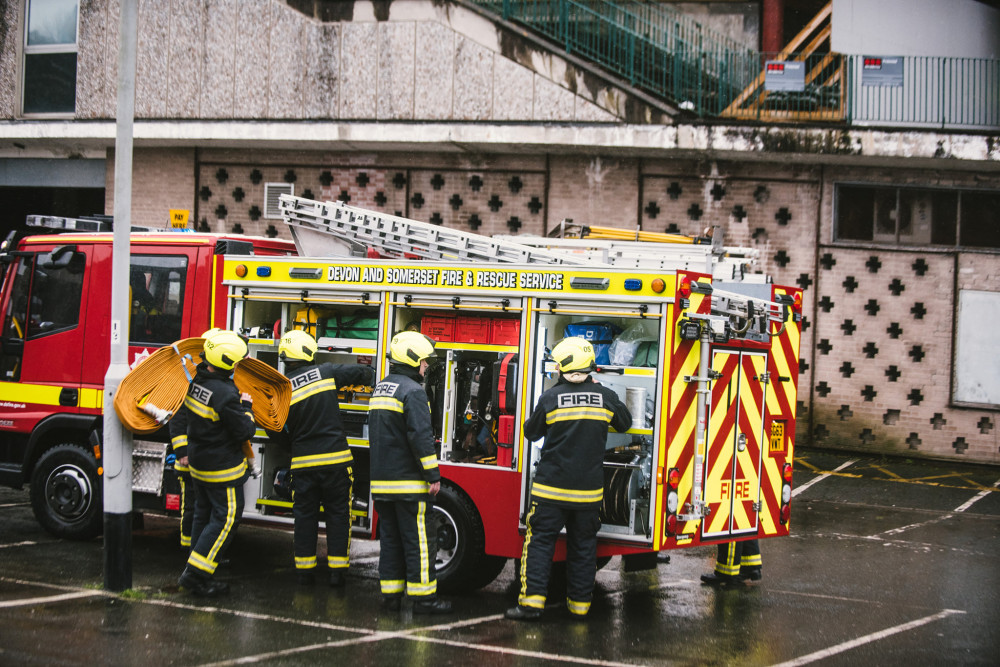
[[211, 331], [574, 354], [410, 348], [224, 348], [297, 345]]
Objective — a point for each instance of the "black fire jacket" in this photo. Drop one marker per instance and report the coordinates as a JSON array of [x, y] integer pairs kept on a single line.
[[313, 427], [216, 424], [403, 458], [574, 419]]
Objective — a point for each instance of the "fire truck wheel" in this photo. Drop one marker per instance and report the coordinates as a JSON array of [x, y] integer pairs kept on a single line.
[[66, 493], [460, 563]]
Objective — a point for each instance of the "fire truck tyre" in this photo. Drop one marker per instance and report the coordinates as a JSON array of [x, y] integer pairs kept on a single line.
[[461, 564], [66, 493]]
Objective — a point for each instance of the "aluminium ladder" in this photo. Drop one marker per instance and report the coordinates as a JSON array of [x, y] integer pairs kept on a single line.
[[334, 228]]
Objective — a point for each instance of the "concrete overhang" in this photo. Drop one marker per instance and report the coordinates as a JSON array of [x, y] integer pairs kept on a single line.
[[804, 145]]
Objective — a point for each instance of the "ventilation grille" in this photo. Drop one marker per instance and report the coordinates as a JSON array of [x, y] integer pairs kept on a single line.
[[272, 191]]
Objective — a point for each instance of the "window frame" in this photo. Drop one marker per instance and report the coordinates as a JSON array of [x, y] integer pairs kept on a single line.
[[898, 191], [170, 324], [26, 51]]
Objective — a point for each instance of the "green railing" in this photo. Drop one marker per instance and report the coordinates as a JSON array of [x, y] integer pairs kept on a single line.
[[653, 47], [672, 57]]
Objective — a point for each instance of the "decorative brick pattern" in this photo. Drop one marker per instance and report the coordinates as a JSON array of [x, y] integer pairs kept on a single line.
[[488, 202]]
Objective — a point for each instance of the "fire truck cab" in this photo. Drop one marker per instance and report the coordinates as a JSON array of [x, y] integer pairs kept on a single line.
[[54, 353]]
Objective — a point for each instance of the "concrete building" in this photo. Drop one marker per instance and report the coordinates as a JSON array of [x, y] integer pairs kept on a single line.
[[887, 211]]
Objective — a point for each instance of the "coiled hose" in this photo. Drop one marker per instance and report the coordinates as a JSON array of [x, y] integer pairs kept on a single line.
[[271, 392], [154, 390]]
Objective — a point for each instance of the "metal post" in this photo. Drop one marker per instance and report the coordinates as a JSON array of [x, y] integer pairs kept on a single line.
[[117, 440]]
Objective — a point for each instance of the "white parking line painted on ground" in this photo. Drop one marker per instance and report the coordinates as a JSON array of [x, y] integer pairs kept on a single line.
[[258, 617], [18, 544], [6, 505], [24, 602], [867, 639], [976, 498], [410, 636], [921, 524], [506, 650], [822, 476]]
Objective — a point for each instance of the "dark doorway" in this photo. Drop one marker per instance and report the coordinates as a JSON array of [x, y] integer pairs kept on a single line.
[[18, 202]]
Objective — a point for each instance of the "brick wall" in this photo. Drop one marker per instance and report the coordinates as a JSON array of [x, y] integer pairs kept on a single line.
[[162, 179], [875, 359]]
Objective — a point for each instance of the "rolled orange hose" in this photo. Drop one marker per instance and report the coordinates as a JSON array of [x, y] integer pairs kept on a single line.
[[159, 382], [270, 390], [154, 390]]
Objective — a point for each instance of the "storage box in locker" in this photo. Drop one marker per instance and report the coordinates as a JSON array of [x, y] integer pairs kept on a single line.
[[505, 331], [472, 330], [441, 329]]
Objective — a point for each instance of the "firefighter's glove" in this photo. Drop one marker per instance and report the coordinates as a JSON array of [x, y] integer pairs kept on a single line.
[[246, 400]]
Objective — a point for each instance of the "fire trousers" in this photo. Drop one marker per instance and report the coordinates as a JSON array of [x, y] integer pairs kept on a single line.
[[545, 520], [329, 486], [739, 559], [407, 553], [217, 512], [187, 506]]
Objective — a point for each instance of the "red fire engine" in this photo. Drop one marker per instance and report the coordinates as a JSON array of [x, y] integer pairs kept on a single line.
[[704, 353]]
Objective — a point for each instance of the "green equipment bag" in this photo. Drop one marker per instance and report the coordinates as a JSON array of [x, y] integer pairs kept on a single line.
[[357, 326]]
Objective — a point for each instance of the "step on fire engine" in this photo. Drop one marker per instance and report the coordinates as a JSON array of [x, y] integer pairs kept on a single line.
[[706, 359]]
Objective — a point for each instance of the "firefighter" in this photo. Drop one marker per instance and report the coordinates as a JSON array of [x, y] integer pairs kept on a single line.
[[735, 563], [405, 477], [178, 446], [219, 420], [321, 458], [573, 417]]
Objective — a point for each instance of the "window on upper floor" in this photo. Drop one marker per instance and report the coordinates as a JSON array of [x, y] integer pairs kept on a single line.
[[50, 49], [917, 216]]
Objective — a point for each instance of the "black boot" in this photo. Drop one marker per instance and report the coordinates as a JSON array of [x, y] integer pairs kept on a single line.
[[434, 606], [201, 584], [520, 613], [305, 577], [337, 578], [716, 579], [392, 602]]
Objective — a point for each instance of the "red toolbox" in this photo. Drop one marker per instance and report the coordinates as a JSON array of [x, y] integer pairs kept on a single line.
[[472, 330], [441, 329], [505, 331]]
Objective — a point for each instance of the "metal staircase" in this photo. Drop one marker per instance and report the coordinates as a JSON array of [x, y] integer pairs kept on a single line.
[[651, 45]]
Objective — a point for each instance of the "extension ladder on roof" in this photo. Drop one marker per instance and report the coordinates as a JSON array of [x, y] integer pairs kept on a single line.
[[334, 228], [321, 228]]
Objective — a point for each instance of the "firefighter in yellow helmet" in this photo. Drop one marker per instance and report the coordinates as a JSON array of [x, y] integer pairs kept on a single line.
[[218, 420], [405, 476], [321, 458], [568, 487], [178, 446]]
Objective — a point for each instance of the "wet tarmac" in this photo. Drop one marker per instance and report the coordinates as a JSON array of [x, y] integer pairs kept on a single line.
[[891, 562]]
